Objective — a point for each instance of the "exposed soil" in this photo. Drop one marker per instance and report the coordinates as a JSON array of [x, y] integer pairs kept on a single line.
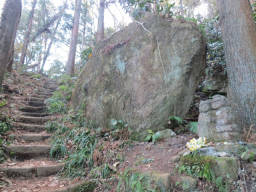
[[159, 157]]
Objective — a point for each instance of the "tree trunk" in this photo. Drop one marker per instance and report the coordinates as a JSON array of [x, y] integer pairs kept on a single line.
[[9, 20], [238, 31], [50, 45], [100, 30], [74, 36], [27, 36], [49, 23], [181, 8]]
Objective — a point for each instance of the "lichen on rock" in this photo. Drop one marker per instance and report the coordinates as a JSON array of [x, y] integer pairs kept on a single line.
[[143, 76]]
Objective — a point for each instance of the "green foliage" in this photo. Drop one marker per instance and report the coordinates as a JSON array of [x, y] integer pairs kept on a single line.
[[55, 105], [193, 127], [4, 127], [58, 149], [196, 165], [119, 129], [76, 145], [81, 153], [3, 103], [133, 181], [51, 126], [201, 166], [86, 54], [149, 135], [36, 76], [176, 121], [254, 11], [58, 103], [105, 171], [87, 187]]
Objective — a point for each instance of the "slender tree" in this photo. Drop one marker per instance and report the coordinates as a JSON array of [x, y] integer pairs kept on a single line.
[[27, 35], [50, 45], [100, 29], [70, 66], [238, 31], [9, 19]]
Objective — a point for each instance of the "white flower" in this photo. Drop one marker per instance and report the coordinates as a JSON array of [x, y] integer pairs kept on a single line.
[[195, 144]]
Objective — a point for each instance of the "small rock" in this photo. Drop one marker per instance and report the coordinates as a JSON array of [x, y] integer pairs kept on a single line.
[[164, 134]]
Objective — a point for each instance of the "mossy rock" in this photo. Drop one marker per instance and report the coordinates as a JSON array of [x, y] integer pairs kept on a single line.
[[211, 167]]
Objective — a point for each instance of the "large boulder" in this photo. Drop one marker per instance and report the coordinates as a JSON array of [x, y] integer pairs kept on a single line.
[[142, 74]]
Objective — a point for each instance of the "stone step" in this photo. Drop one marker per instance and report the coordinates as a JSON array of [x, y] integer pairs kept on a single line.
[[29, 99], [28, 127], [35, 103], [21, 151], [31, 168], [35, 99], [30, 119], [46, 95], [46, 91], [31, 114], [31, 137], [40, 96], [32, 109]]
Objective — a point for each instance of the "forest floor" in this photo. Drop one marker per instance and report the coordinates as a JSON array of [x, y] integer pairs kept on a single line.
[[144, 157], [37, 172]]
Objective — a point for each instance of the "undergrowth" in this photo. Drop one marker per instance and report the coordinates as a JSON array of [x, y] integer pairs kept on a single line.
[[201, 167], [5, 126], [58, 103], [74, 142], [134, 181]]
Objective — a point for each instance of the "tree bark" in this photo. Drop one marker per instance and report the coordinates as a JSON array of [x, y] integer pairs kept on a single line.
[[9, 20], [70, 66], [100, 29], [238, 31], [27, 36]]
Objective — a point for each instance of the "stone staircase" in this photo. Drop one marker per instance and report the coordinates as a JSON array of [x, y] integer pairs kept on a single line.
[[29, 148]]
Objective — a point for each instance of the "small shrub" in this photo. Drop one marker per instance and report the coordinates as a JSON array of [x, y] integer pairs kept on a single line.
[[193, 127], [201, 166], [55, 105], [58, 149], [4, 127], [51, 126], [3, 103], [149, 136]]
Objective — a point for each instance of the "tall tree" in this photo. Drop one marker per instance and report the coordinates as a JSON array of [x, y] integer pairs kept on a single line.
[[100, 29], [50, 44], [9, 19], [27, 35], [238, 31], [70, 66]]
